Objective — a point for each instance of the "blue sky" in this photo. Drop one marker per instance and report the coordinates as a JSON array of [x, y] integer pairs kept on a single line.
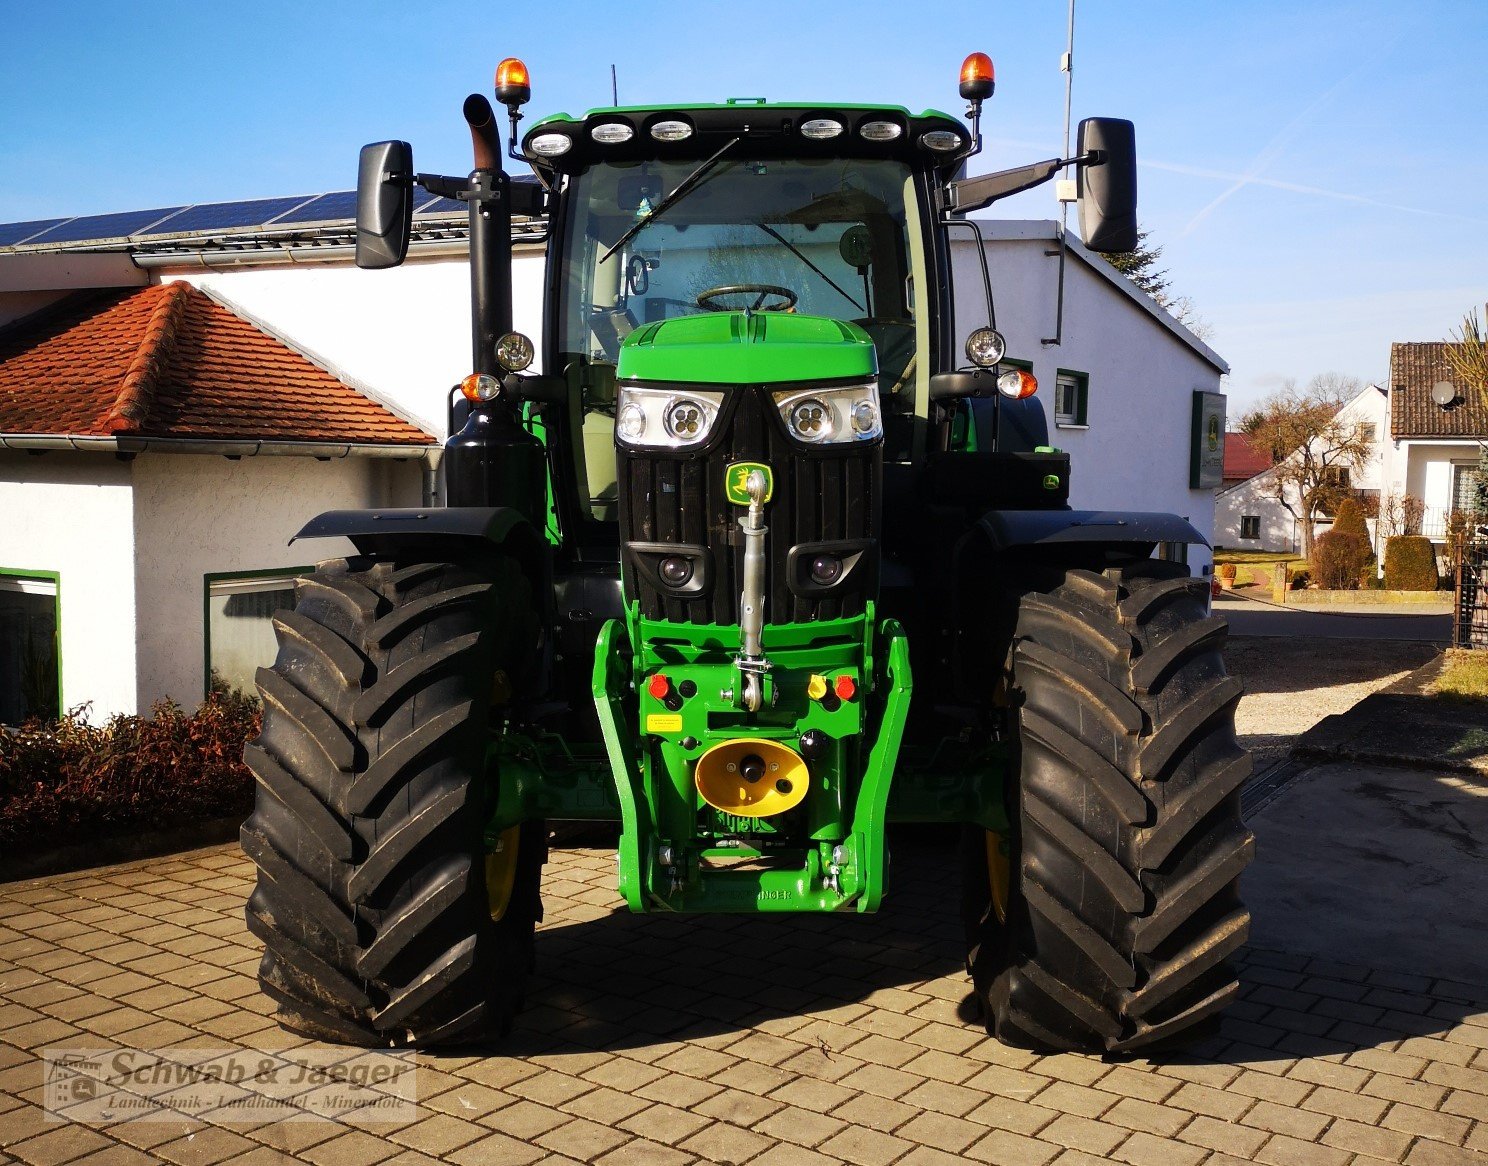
[[1314, 170]]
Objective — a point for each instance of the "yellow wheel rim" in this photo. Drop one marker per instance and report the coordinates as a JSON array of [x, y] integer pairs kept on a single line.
[[501, 872], [999, 874]]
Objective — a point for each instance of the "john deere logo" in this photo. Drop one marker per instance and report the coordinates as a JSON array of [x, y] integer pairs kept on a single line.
[[736, 481]]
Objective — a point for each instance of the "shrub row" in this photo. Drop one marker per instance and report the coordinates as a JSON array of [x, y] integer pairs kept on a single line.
[[67, 781]]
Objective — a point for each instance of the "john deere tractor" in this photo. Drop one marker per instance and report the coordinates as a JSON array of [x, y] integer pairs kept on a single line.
[[765, 558]]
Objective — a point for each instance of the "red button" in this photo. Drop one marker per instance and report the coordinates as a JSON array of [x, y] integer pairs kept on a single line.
[[658, 686], [846, 687]]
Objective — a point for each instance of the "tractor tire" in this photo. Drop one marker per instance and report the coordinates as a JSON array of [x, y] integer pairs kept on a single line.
[[1109, 922], [376, 901]]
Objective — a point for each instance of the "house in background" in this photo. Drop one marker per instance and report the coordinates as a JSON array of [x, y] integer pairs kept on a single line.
[[1250, 516], [1433, 452], [1243, 459], [241, 374], [157, 450]]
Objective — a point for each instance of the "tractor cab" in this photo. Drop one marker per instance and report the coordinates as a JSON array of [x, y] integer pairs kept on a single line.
[[745, 209]]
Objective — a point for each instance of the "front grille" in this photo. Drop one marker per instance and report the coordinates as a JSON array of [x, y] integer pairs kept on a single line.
[[820, 495]]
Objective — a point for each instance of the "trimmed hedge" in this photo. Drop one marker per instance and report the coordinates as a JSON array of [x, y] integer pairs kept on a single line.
[[1410, 564], [66, 781], [1339, 559], [1350, 520]]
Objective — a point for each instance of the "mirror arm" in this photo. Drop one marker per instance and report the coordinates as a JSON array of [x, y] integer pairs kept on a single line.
[[972, 194]]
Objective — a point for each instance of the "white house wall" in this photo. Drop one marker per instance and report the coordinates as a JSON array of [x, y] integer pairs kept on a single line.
[[71, 513], [1134, 452], [195, 515], [402, 334]]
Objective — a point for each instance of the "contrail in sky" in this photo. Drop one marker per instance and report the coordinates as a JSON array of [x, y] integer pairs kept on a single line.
[[1298, 188], [1273, 149]]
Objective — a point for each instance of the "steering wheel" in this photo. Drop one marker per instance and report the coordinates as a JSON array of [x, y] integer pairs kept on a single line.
[[762, 291]]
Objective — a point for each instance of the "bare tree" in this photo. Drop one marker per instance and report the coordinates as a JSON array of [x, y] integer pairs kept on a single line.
[[1467, 356], [1400, 514], [1315, 451]]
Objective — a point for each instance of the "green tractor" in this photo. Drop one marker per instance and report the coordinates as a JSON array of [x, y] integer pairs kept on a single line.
[[754, 567]]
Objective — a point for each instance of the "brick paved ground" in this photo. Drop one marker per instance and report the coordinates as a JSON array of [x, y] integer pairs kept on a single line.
[[655, 1040]]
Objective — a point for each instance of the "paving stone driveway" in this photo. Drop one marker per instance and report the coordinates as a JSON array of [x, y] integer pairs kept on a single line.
[[656, 1040]]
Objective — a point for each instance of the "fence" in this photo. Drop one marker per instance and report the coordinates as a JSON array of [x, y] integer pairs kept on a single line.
[[1470, 576]]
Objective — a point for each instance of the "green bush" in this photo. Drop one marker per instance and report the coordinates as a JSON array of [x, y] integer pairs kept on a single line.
[[1339, 559], [68, 781], [1350, 520], [1410, 564]]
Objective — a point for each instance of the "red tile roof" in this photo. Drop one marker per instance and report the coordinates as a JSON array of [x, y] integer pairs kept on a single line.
[[1243, 458], [1414, 368], [169, 361]]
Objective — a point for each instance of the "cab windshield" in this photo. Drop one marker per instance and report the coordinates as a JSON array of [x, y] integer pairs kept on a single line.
[[829, 237]]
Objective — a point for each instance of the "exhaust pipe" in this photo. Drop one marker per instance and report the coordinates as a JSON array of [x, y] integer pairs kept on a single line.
[[485, 142]]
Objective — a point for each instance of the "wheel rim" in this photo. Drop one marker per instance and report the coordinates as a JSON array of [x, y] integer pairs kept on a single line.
[[501, 872], [999, 875]]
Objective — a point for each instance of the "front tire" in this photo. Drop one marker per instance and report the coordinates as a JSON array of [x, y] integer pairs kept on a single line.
[[1121, 907], [372, 899]]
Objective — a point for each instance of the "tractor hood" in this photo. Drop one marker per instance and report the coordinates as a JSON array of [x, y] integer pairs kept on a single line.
[[748, 348]]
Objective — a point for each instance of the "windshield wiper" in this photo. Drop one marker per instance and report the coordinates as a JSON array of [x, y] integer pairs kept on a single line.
[[778, 237], [680, 191]]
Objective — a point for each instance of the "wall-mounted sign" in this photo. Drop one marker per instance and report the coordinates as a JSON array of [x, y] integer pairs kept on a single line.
[[1206, 448]]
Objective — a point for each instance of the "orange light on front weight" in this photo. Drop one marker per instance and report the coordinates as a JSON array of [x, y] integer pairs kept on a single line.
[[978, 78], [513, 84], [1017, 383]]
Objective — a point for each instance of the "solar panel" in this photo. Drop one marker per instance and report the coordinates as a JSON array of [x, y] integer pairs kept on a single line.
[[218, 216], [13, 233], [328, 207], [112, 226], [441, 206]]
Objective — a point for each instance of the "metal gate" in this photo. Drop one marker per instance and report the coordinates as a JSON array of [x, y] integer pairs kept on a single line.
[[1470, 612]]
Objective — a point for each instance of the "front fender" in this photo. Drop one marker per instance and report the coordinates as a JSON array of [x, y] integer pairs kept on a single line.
[[423, 529], [1006, 529]]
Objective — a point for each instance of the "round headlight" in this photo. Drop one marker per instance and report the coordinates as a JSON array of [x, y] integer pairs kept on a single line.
[[985, 347], [480, 386], [865, 419], [820, 128], [630, 423], [825, 570], [550, 145], [611, 133], [811, 420], [675, 571], [1017, 383], [880, 131], [685, 419], [671, 131], [941, 141], [513, 351]]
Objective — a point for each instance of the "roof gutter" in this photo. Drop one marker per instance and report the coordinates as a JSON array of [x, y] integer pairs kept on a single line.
[[225, 448], [458, 248]]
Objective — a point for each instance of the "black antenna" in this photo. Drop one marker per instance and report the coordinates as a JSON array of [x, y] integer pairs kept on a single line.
[[614, 88]]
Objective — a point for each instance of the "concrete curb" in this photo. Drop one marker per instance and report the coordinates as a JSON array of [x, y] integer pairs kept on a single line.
[[1402, 727]]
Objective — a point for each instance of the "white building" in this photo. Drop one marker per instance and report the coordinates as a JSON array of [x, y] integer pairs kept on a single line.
[[158, 548], [1432, 452], [1250, 515]]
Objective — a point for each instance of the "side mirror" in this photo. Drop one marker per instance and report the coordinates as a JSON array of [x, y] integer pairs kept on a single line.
[[1108, 187], [384, 217]]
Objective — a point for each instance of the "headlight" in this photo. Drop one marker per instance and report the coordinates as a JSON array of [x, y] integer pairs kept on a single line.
[[513, 351], [829, 416], [665, 418], [985, 347], [550, 145]]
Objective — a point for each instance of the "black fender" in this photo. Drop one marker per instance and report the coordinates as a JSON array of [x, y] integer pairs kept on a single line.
[[438, 532], [1009, 529]]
